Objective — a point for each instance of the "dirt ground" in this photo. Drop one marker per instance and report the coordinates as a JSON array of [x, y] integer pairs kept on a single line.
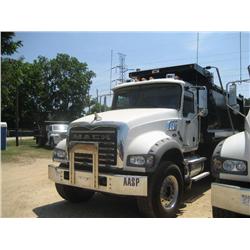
[[27, 192]]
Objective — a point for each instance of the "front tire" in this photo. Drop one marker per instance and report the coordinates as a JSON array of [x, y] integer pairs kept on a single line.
[[74, 194], [164, 192]]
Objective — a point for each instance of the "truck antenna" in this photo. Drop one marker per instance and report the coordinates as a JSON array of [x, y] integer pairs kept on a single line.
[[197, 47]]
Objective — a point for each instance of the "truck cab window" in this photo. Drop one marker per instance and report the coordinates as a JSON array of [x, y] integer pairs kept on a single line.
[[188, 105], [148, 96]]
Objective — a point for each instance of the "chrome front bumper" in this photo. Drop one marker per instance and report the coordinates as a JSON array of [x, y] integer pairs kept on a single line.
[[110, 183], [232, 198], [115, 184]]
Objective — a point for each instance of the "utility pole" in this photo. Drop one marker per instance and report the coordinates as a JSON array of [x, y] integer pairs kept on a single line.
[[111, 68], [105, 102], [17, 115], [88, 101], [97, 96]]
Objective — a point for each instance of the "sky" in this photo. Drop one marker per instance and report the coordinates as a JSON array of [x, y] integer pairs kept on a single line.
[[144, 50]]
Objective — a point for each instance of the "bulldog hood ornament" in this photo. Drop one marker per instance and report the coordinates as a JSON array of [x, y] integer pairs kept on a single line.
[[97, 117]]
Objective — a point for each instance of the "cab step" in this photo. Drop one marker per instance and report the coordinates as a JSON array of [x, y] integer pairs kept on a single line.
[[200, 176], [195, 160]]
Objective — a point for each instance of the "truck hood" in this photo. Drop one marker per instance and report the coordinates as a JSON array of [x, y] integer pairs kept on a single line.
[[130, 117], [237, 147]]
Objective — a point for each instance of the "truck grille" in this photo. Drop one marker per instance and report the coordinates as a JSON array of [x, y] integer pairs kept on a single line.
[[106, 137]]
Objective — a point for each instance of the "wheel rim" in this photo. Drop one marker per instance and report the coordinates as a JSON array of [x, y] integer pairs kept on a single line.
[[169, 192]]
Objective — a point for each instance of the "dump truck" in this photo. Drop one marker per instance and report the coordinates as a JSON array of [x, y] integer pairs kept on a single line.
[[230, 192], [157, 139], [50, 133]]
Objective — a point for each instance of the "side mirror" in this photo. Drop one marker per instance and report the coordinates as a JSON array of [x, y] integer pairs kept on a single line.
[[202, 102], [232, 98]]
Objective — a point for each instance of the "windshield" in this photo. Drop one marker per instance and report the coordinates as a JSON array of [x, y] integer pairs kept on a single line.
[[60, 127], [148, 96]]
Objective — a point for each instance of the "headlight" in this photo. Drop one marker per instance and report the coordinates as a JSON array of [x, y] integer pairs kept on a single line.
[[59, 155], [234, 166], [140, 160], [228, 166]]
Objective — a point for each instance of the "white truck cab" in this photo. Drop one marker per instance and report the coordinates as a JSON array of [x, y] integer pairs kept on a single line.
[[56, 133], [156, 140], [230, 194]]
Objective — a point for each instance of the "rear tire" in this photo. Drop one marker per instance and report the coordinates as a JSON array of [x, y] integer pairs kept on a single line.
[[164, 192], [74, 194], [222, 213]]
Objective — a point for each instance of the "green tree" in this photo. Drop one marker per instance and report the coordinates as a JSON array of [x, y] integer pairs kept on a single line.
[[97, 107], [55, 89], [64, 88], [8, 46], [11, 78]]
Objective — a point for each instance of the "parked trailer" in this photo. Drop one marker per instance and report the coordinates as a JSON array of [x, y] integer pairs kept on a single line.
[[157, 139]]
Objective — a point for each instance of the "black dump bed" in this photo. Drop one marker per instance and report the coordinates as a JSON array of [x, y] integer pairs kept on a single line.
[[192, 73]]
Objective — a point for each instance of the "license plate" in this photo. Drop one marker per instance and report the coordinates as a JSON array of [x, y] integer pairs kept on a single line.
[[245, 199]]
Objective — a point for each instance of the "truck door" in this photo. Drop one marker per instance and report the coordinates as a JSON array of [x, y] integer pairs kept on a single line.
[[190, 121]]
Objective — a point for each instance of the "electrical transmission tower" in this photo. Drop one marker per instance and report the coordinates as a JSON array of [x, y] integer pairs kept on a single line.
[[122, 68]]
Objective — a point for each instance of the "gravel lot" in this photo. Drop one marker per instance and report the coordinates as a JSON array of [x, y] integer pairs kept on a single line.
[[27, 192]]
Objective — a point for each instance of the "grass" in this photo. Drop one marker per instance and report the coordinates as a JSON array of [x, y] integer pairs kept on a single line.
[[27, 149]]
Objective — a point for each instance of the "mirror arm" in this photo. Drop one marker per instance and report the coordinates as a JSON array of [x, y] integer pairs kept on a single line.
[[236, 111], [198, 114]]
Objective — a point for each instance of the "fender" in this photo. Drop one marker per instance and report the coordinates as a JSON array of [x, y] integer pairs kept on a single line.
[[62, 145], [166, 147]]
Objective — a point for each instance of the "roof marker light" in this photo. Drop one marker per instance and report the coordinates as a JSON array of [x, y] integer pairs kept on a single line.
[[170, 75]]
